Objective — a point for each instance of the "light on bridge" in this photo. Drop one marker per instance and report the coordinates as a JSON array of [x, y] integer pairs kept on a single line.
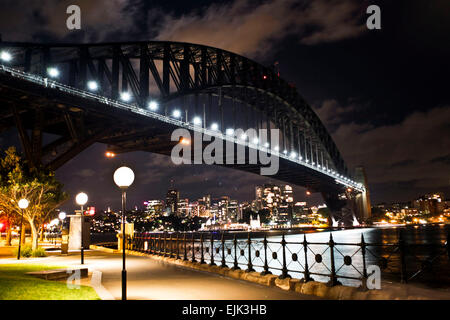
[[215, 127], [92, 85], [53, 72], [277, 148], [153, 105], [230, 132], [267, 145], [256, 141], [293, 155], [176, 114], [125, 96], [5, 56], [197, 121], [244, 137], [285, 152]]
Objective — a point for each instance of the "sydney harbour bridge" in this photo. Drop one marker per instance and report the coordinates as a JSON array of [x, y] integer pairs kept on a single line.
[[132, 96]]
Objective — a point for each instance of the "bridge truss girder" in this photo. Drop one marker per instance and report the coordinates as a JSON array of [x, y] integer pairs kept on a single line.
[[169, 70]]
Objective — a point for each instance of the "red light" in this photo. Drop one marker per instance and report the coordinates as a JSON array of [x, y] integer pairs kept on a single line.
[[90, 211], [349, 190], [265, 77], [308, 193], [1, 226]]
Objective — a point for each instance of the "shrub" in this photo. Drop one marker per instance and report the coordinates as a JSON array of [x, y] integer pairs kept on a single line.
[[39, 252], [25, 251]]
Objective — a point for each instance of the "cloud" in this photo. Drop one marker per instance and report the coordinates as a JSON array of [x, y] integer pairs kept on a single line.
[[403, 159], [255, 29], [249, 27]]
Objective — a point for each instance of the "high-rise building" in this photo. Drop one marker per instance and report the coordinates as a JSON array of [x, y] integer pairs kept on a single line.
[[154, 207], [184, 208], [279, 200], [172, 199], [430, 203]]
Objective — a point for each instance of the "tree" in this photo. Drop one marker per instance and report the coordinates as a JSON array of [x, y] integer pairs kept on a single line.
[[39, 186]]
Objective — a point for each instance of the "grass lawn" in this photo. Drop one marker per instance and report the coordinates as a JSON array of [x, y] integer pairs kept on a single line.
[[15, 284]]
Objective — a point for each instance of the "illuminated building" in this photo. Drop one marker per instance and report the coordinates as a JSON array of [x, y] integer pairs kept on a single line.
[[279, 200], [172, 199]]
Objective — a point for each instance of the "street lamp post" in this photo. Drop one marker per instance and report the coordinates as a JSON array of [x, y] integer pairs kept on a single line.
[[23, 204], [123, 178], [62, 216], [81, 200]]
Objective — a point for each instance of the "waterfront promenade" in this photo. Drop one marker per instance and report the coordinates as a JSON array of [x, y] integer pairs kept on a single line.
[[149, 279]]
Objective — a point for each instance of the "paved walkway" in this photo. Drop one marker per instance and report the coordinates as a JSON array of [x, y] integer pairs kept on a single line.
[[149, 279]]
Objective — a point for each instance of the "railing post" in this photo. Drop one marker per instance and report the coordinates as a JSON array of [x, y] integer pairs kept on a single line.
[[212, 251], [170, 246], [202, 256], [333, 278], [284, 270], [178, 246], [185, 247], [448, 244], [152, 244], [236, 265], [222, 240], [266, 265], [402, 248], [165, 245], [193, 248], [250, 264], [363, 252], [307, 277], [160, 245]]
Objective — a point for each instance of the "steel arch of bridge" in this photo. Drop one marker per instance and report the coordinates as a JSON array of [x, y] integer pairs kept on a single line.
[[181, 69], [165, 72]]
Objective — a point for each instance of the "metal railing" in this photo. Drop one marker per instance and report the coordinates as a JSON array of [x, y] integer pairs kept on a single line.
[[331, 262]]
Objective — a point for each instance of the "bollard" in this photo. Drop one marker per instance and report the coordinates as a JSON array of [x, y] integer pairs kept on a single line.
[[212, 250], [284, 270], [307, 277], [222, 240], [236, 265], [266, 265], [250, 264]]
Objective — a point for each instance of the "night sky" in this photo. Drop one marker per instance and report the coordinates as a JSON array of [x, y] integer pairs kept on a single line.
[[382, 94]]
